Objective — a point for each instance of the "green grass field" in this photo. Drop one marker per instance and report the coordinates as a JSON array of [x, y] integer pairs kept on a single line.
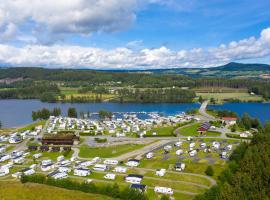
[[192, 131], [17, 191], [107, 152], [221, 97], [161, 131]]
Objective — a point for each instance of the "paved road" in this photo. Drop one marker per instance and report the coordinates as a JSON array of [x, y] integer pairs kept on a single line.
[[203, 112]]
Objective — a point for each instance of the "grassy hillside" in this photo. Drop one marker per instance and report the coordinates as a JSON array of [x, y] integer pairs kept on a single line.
[[30, 191]]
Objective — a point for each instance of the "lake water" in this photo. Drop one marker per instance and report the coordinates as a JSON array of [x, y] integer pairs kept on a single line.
[[14, 113]]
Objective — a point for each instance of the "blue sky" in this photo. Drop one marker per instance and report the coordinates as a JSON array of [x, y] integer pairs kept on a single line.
[[134, 33]]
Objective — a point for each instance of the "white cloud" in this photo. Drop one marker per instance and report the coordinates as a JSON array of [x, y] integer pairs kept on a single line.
[[52, 17], [125, 58]]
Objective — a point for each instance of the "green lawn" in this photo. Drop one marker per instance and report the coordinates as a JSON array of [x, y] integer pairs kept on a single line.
[[161, 131], [107, 152], [190, 130], [53, 155]]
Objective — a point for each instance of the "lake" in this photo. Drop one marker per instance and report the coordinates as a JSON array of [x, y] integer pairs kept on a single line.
[[15, 113]]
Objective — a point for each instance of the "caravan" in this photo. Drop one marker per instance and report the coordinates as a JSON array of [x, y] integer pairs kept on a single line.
[[110, 162], [163, 190]]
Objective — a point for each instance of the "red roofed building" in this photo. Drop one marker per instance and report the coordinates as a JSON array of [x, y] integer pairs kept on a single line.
[[229, 120]]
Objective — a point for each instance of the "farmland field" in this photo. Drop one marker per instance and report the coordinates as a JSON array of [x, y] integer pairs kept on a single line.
[[221, 97]]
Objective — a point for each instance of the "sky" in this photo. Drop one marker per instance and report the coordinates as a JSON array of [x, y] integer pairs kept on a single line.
[[133, 34]]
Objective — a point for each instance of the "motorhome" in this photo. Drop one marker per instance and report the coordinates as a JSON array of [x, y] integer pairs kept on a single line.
[[149, 155], [179, 166], [179, 152], [160, 172]]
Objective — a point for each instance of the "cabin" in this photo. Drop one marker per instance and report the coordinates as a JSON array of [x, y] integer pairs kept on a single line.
[[132, 162], [179, 166], [133, 178], [60, 139], [163, 190], [139, 187], [82, 172]]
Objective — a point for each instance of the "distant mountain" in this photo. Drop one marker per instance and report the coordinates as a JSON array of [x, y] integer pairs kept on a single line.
[[233, 66], [230, 70]]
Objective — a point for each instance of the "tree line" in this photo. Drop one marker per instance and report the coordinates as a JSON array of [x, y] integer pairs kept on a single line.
[[173, 95], [108, 190], [248, 173], [45, 113]]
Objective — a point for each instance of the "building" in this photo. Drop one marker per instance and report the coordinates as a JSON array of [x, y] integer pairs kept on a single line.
[[60, 139], [229, 120], [204, 127]]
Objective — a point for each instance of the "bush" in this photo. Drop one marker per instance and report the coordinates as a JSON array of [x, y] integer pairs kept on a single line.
[[209, 171]]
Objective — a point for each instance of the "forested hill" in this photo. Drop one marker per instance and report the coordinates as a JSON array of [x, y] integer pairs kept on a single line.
[[230, 70]]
